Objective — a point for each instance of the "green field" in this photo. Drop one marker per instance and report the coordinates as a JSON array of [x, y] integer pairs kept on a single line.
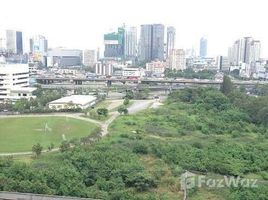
[[20, 134]]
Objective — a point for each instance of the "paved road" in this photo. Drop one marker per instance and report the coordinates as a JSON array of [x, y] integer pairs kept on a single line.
[[137, 106]]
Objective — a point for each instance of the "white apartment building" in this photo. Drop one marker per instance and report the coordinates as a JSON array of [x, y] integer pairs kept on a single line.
[[177, 59], [103, 69], [14, 82], [89, 57]]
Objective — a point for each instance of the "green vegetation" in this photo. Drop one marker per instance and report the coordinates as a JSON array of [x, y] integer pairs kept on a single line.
[[122, 110], [200, 130], [137, 94], [37, 149], [190, 73], [38, 104], [20, 134]]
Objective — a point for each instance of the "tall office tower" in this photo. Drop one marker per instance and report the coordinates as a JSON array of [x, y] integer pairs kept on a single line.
[[114, 44], [38, 49], [14, 42], [171, 34], [152, 42], [255, 51], [130, 43], [234, 53], [158, 34], [38, 43], [203, 47], [145, 46], [89, 57], [245, 50], [177, 59]]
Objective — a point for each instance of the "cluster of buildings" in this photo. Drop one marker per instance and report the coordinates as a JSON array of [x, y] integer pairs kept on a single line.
[[126, 54], [244, 56], [151, 46], [16, 48], [155, 49]]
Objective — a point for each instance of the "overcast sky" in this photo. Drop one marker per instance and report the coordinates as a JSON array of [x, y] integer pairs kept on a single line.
[[82, 23]]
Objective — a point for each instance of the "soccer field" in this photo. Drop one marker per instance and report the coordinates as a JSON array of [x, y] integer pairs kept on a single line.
[[20, 134]]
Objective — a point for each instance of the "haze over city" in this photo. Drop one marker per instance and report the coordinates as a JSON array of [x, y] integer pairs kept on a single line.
[[81, 24]]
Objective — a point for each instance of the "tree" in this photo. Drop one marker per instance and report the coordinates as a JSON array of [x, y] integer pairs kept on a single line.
[[65, 145], [37, 149], [122, 109], [129, 94], [102, 111], [227, 85], [126, 101]]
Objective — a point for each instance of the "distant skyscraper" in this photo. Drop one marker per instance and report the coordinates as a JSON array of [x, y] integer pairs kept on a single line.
[[146, 43], [130, 43], [89, 58], [245, 50], [158, 42], [114, 44], [171, 35], [255, 51], [14, 42], [38, 43], [38, 49], [152, 42], [203, 47]]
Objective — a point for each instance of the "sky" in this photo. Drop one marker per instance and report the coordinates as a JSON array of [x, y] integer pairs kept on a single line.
[[82, 23]]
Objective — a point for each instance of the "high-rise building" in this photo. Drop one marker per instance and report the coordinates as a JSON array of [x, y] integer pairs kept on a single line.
[[114, 44], [203, 47], [158, 41], [152, 42], [171, 35], [177, 59], [145, 47], [255, 51], [89, 57], [14, 42], [245, 50], [38, 43], [38, 49], [223, 63], [130, 43]]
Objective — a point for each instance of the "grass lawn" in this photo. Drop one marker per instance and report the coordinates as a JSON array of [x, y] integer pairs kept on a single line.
[[20, 134]]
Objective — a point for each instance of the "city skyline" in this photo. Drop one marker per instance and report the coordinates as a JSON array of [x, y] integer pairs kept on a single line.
[[65, 28]]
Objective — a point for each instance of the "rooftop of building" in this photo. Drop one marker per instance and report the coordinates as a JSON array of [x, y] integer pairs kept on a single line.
[[75, 99]]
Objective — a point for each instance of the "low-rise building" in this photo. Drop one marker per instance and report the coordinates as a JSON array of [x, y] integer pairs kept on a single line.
[[14, 82], [130, 72], [72, 102], [60, 57], [156, 67]]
